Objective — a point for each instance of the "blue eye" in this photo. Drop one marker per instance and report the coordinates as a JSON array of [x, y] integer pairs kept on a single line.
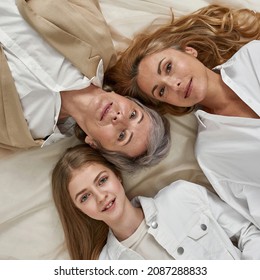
[[102, 180], [84, 197]]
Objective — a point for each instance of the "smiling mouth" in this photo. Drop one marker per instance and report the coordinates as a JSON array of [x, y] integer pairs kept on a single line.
[[188, 89], [109, 205], [105, 111]]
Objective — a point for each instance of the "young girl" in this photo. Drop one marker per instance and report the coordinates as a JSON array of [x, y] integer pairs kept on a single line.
[[183, 221], [170, 69]]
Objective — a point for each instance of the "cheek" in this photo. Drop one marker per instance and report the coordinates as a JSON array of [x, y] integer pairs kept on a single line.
[[170, 98], [92, 213], [119, 189], [88, 209], [102, 134], [106, 140]]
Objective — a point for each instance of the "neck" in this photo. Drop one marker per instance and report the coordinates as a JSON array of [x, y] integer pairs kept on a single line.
[[217, 94], [75, 102], [128, 223], [221, 100]]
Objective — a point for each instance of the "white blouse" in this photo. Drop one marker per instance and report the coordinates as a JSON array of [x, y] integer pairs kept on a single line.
[[40, 73], [228, 148]]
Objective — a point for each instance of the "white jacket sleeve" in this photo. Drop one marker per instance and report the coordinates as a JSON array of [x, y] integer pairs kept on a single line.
[[238, 228]]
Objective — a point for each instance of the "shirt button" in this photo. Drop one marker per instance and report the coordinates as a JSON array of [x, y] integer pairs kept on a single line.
[[154, 225], [180, 250], [203, 227]]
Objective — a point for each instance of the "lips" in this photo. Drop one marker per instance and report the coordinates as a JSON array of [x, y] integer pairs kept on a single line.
[[105, 111], [108, 205], [188, 89]]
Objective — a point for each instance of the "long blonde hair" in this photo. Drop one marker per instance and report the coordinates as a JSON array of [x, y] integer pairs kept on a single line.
[[216, 32], [84, 236]]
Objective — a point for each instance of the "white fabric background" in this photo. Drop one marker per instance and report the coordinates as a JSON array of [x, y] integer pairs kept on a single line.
[[29, 225]]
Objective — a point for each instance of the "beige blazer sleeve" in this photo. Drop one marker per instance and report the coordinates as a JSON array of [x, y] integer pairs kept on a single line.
[[14, 132], [75, 28]]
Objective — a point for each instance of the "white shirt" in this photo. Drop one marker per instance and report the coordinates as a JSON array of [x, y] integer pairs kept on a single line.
[[143, 243], [191, 223], [40, 73], [228, 148]]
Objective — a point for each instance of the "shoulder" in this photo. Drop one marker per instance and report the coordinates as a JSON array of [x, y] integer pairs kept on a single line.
[[252, 45], [112, 249], [104, 254], [248, 50], [181, 190]]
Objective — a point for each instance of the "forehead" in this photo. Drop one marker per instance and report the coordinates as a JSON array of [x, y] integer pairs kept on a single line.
[[84, 176], [86, 171], [161, 54]]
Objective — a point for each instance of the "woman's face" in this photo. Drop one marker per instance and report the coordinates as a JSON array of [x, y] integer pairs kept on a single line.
[[174, 77], [117, 123], [98, 193]]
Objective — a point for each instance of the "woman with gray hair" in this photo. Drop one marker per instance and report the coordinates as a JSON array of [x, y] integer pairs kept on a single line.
[[41, 98], [158, 145]]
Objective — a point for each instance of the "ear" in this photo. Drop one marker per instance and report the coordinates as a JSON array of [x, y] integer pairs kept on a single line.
[[91, 142], [191, 51]]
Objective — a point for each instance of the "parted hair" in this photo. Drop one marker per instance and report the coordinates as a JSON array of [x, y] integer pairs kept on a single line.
[[84, 236], [215, 31]]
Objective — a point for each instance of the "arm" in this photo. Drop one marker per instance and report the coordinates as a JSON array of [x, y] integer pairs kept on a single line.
[[236, 226], [72, 31]]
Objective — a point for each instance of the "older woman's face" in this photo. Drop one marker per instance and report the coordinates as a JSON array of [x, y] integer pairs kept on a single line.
[[174, 77], [118, 124]]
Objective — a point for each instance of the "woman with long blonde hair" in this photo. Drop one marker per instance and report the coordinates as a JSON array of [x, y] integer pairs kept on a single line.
[[215, 32], [100, 222]]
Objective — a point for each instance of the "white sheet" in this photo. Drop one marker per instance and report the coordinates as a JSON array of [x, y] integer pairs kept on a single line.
[[29, 225]]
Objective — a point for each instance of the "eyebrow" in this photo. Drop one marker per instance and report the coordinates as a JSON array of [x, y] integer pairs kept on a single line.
[[159, 71], [142, 117], [95, 181], [129, 139], [131, 136], [79, 193], [98, 176]]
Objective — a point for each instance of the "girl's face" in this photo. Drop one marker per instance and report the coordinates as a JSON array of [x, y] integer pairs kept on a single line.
[[98, 193], [174, 77]]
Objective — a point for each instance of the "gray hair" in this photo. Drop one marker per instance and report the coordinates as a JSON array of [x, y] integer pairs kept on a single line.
[[159, 143]]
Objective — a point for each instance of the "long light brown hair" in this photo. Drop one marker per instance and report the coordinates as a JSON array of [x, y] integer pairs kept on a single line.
[[216, 32], [84, 236]]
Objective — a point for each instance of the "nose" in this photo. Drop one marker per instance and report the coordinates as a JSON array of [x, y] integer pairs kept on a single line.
[[100, 196], [117, 117], [173, 82]]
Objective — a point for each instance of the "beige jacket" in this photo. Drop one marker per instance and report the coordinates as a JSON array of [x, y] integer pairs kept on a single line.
[[80, 33]]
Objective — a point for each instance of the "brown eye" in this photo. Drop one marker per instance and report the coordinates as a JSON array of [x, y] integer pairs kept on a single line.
[[168, 68], [161, 92], [121, 136], [133, 115]]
